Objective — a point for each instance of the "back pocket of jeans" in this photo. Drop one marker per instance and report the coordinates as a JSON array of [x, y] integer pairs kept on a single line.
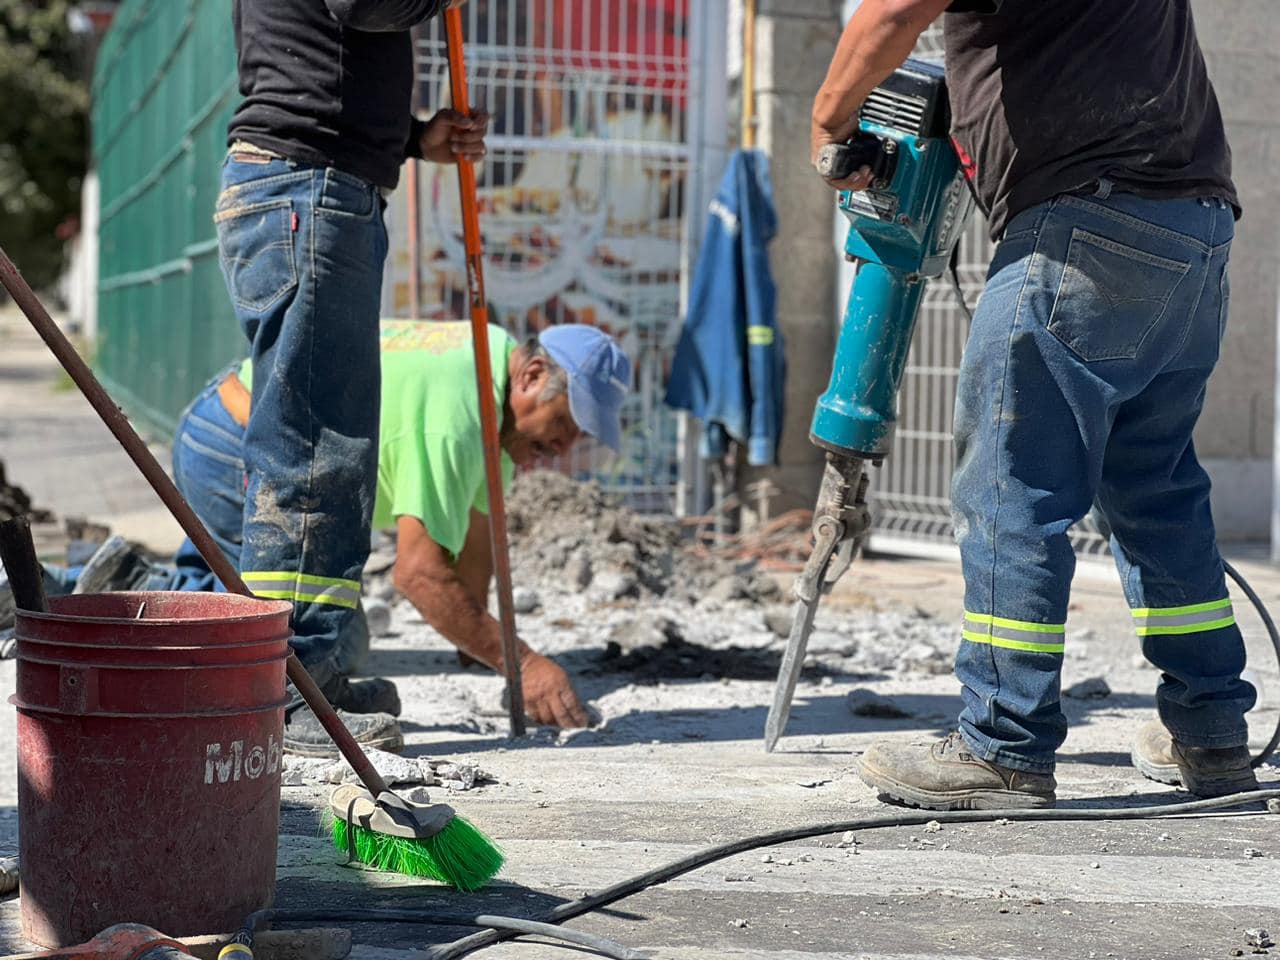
[[1111, 296], [256, 240]]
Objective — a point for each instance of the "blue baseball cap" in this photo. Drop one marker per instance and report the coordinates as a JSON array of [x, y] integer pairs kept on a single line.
[[599, 378]]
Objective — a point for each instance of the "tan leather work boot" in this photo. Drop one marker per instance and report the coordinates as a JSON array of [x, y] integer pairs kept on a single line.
[[1202, 771], [947, 776]]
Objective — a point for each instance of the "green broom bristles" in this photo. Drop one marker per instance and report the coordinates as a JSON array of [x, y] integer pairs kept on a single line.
[[459, 855]]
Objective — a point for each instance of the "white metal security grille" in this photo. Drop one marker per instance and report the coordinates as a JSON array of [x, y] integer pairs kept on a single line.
[[582, 196]]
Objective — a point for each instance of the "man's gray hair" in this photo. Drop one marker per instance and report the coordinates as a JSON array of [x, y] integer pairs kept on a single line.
[[557, 376]]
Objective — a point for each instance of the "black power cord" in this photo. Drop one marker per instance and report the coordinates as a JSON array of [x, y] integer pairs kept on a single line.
[[1266, 752]]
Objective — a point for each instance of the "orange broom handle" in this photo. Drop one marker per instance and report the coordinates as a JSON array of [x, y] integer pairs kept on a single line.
[[484, 382]]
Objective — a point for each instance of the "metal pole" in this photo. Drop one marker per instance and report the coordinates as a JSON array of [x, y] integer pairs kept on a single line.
[[484, 383]]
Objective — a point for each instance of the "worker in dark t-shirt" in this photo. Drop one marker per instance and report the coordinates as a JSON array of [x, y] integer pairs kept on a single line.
[[1099, 155], [314, 146]]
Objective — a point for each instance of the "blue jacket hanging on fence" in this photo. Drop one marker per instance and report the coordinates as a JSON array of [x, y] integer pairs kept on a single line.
[[729, 368]]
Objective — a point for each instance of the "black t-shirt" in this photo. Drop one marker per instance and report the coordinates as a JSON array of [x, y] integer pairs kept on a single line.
[[329, 81], [1050, 96]]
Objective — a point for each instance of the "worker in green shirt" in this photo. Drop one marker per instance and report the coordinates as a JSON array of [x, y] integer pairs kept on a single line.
[[568, 381]]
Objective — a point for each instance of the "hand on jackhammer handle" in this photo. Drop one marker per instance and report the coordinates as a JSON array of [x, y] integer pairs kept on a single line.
[[820, 136], [549, 697]]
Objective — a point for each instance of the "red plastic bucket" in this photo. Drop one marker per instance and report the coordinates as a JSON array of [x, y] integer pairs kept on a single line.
[[149, 755]]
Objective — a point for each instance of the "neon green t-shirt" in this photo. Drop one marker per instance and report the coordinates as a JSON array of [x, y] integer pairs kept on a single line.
[[430, 456]]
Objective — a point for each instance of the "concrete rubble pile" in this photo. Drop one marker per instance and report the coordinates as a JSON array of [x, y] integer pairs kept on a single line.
[[572, 536]]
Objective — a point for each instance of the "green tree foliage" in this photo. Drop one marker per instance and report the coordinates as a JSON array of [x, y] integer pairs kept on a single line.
[[43, 130]]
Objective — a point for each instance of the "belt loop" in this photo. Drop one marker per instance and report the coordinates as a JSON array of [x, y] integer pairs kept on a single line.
[[1104, 188]]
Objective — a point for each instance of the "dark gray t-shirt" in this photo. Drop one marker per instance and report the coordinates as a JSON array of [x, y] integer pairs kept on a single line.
[[1050, 96]]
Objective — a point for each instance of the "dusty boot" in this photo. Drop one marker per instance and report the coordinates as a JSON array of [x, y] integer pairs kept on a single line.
[[947, 776], [305, 737], [365, 696], [1203, 771]]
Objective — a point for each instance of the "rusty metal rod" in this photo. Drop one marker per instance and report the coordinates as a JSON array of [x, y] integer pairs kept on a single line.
[[484, 383], [191, 525]]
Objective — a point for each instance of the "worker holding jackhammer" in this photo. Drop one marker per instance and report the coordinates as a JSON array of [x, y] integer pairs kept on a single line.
[[553, 389], [314, 148], [1096, 147]]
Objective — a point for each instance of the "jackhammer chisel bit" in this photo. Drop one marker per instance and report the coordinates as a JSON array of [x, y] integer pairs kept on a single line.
[[840, 523]]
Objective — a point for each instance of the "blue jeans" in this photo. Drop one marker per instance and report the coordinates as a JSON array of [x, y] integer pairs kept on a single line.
[[302, 252], [208, 468], [1082, 380]]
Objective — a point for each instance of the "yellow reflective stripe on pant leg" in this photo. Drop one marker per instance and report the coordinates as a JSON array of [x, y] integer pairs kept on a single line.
[[1014, 634], [759, 336], [303, 587], [1178, 621]]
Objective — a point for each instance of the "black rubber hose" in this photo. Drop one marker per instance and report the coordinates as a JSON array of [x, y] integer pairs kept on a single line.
[[625, 888], [1274, 634], [516, 925]]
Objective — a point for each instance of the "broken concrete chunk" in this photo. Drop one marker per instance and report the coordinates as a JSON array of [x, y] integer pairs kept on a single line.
[[525, 600], [615, 584], [636, 633], [867, 703], [778, 621], [1094, 688], [577, 571], [926, 658], [1258, 937], [418, 795], [377, 614]]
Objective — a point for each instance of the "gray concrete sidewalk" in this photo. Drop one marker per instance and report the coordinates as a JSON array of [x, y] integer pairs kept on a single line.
[[53, 444]]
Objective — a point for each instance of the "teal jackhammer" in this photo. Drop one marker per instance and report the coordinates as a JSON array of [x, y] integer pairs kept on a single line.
[[903, 231]]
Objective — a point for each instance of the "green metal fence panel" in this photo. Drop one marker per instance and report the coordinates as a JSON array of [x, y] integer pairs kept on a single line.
[[163, 91]]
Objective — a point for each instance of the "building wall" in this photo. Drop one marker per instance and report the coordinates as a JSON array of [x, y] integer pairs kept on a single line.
[[794, 43], [1240, 40]]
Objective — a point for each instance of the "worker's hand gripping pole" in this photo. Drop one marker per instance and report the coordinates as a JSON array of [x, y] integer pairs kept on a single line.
[[484, 382], [840, 524]]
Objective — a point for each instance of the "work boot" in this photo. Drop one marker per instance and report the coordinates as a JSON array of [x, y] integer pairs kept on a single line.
[[365, 696], [116, 565], [947, 776], [305, 737], [1203, 771]]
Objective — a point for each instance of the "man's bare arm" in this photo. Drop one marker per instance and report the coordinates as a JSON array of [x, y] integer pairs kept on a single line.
[[877, 39], [453, 599], [434, 585], [475, 562]]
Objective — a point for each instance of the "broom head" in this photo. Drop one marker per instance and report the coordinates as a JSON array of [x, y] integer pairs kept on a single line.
[[420, 840]]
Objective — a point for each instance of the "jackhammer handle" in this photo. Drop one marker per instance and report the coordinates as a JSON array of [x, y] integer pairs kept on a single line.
[[837, 161], [191, 524]]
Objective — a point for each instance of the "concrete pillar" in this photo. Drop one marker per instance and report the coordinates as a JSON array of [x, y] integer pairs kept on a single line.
[[794, 43], [1240, 40]]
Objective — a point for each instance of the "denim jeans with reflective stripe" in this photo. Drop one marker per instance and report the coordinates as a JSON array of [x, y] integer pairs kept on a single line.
[[1081, 383], [302, 252]]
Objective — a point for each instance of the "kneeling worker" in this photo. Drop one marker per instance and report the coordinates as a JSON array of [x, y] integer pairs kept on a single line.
[[568, 381]]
